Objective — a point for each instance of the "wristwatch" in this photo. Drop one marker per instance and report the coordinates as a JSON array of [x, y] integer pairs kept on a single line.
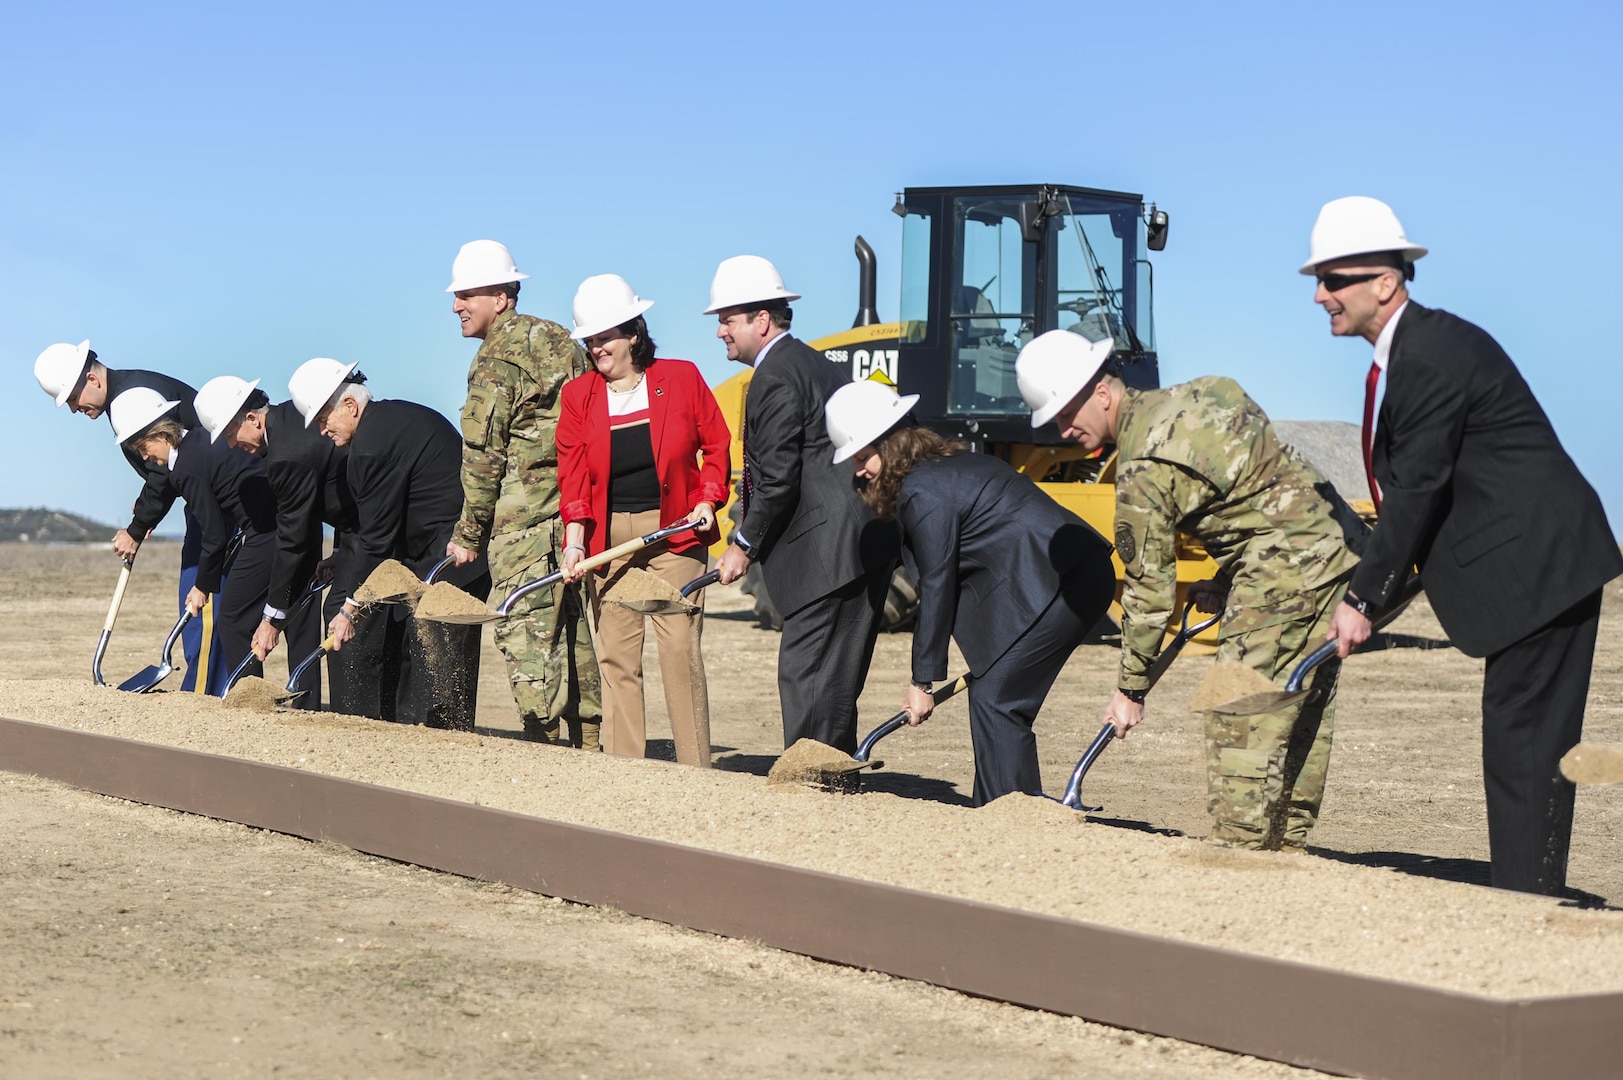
[[1135, 696], [743, 545], [927, 686], [1363, 607]]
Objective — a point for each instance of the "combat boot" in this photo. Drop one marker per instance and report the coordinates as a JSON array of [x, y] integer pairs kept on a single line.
[[586, 735], [539, 730]]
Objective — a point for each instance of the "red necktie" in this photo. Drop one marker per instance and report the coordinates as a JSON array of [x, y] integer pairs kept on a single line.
[[1367, 437]]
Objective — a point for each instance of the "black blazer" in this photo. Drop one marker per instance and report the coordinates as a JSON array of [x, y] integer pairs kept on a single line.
[[306, 473], [1477, 491], [991, 552], [159, 492], [225, 490], [808, 527], [405, 471]]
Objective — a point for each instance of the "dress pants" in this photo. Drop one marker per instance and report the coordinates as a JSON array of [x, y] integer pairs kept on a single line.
[[1532, 713], [823, 661], [240, 606], [618, 637], [364, 676], [1005, 698]]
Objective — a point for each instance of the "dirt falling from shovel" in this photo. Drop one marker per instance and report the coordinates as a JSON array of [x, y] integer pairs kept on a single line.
[[254, 694], [1593, 763], [1227, 681], [390, 580], [809, 762]]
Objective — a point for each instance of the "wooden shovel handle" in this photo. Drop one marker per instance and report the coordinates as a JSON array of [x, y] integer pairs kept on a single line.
[[118, 595]]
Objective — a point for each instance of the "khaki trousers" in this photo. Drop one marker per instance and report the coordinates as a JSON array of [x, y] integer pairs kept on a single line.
[[618, 635]]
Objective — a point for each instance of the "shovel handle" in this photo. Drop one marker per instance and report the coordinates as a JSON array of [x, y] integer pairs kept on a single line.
[[441, 565], [899, 721], [1073, 790], [1299, 674], [1185, 634], [321, 650], [703, 581], [112, 616], [595, 561]]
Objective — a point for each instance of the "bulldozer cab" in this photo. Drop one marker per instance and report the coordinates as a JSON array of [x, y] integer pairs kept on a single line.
[[986, 269]]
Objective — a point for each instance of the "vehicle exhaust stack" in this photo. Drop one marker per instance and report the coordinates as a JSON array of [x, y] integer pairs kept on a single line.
[[867, 287]]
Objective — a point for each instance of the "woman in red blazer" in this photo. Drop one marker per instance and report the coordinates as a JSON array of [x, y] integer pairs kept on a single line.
[[630, 441]]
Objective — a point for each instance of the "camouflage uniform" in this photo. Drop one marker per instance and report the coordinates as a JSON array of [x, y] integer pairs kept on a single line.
[[510, 506], [1201, 457]]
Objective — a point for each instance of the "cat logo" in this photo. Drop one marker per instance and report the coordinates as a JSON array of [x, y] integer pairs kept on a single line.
[[866, 362]]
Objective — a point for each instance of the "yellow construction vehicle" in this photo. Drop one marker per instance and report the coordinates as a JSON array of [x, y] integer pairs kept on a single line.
[[985, 270]]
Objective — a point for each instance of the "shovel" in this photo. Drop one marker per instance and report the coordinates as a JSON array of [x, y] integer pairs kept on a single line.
[[1273, 701], [1073, 790], [839, 773], [145, 680], [107, 627], [555, 577], [313, 591], [662, 606]]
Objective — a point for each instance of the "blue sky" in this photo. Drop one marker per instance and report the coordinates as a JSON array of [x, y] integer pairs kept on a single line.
[[232, 189]]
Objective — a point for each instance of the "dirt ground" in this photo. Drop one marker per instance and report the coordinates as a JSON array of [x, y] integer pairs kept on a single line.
[[1405, 793]]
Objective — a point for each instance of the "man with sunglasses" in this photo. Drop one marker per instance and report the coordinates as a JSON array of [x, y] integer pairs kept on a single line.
[[72, 375], [1474, 488]]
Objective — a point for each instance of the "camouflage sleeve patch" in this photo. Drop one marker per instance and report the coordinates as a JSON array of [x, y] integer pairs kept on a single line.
[[1126, 543], [477, 412]]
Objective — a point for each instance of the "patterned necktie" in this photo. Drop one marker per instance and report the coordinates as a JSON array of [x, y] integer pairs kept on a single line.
[[746, 485], [1367, 436]]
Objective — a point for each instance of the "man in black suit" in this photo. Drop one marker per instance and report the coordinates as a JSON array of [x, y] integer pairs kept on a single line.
[[1475, 489], [74, 376], [307, 475], [405, 473], [826, 559]]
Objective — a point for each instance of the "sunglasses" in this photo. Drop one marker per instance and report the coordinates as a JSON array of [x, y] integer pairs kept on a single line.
[[1336, 282]]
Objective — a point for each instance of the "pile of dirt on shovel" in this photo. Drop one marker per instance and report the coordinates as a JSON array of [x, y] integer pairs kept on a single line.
[[442, 598], [809, 762], [637, 584], [1229, 681], [254, 694], [390, 580]]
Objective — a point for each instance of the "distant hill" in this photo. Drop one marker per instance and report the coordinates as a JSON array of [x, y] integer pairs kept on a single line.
[[37, 525]]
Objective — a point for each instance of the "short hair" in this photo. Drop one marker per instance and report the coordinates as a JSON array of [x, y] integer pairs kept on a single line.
[[256, 401], [510, 288], [166, 428], [782, 314], [356, 392], [642, 345]]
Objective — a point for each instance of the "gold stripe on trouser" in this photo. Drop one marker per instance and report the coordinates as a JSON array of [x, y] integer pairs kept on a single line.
[[201, 685], [618, 632]]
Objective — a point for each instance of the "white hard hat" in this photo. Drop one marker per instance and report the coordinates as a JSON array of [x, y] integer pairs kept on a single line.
[[58, 369], [858, 413], [1357, 225], [133, 411], [313, 384], [746, 279], [604, 302], [481, 263], [1054, 367], [219, 400]]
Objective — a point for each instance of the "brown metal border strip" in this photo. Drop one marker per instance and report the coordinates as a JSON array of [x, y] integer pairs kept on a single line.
[[1267, 1008]]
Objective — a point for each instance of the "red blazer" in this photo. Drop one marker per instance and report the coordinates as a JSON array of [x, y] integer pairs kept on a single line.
[[683, 420]]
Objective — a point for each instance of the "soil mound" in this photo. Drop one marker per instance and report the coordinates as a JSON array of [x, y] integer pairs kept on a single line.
[[1017, 808], [811, 762], [443, 599], [638, 585], [390, 581], [254, 694], [1228, 680]]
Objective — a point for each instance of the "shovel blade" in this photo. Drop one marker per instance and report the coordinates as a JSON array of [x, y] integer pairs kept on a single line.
[[146, 679], [658, 607], [462, 619]]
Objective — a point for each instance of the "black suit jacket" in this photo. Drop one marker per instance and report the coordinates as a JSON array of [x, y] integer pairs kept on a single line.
[[808, 527], [225, 490], [1477, 491], [405, 471], [159, 492], [307, 475], [991, 552]]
